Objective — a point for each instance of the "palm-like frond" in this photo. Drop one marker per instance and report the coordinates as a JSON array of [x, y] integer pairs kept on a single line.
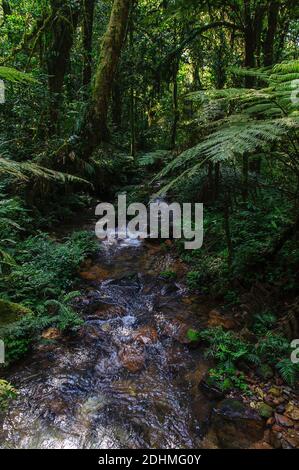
[[258, 118], [12, 75], [27, 170]]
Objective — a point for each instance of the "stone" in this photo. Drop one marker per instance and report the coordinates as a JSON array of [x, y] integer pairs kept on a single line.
[[51, 333], [146, 335], [261, 445], [292, 438], [236, 425], [210, 390], [275, 392], [217, 319], [264, 410], [95, 273], [282, 420], [275, 439], [292, 412], [177, 330], [132, 358], [106, 311], [265, 372]]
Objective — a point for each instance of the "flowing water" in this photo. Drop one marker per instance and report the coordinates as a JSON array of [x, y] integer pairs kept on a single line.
[[128, 378]]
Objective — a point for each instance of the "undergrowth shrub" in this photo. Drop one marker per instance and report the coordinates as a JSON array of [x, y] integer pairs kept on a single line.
[[43, 278]]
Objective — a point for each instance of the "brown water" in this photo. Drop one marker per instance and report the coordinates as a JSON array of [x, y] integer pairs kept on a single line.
[[127, 379]]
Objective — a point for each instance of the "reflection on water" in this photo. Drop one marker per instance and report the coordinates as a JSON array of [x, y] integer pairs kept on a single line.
[[128, 378]]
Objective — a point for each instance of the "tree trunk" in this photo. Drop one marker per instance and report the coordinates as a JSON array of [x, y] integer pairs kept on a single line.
[[271, 32], [88, 17], [116, 104], [96, 128], [176, 115], [249, 42], [245, 177], [62, 34], [227, 231]]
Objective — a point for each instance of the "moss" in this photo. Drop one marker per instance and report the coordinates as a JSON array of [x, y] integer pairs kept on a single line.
[[10, 312], [265, 411]]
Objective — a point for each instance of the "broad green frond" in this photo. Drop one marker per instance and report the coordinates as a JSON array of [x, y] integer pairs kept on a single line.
[[14, 76], [152, 157], [24, 171]]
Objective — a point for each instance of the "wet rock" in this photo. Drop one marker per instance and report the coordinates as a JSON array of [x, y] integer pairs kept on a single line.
[[132, 358], [195, 377], [51, 333], [91, 333], [146, 335], [280, 409], [178, 330], [292, 412], [201, 409], [95, 273], [275, 439], [265, 372], [282, 420], [235, 425], [58, 406], [275, 391], [217, 319], [265, 411], [290, 439], [261, 445], [106, 311], [210, 390]]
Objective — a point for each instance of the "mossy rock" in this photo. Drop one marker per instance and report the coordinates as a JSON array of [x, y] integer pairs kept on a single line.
[[265, 372], [10, 312], [265, 411]]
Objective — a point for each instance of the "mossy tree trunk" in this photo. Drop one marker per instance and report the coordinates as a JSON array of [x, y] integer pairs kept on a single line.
[[65, 19], [273, 13], [96, 128], [87, 31]]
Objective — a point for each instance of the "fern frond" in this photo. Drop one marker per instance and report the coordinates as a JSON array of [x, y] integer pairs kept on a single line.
[[14, 76]]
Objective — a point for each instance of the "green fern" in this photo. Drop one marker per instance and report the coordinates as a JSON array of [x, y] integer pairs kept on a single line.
[[251, 121], [14, 76]]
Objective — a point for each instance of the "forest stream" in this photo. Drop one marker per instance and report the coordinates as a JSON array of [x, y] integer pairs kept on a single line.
[[128, 378]]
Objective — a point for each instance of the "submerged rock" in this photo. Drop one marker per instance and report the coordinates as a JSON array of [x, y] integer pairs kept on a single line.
[[235, 425], [94, 273], [132, 358], [146, 335]]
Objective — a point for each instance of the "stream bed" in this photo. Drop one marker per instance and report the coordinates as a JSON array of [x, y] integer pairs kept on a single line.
[[128, 378]]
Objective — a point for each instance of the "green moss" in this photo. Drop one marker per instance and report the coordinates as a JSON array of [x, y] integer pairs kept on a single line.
[[11, 312]]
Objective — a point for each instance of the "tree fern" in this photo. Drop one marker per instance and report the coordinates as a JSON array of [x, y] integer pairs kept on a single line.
[[14, 76], [255, 119], [26, 170]]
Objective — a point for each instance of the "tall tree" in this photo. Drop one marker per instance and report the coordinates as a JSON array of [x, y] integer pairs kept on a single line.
[[96, 127], [87, 31], [65, 17]]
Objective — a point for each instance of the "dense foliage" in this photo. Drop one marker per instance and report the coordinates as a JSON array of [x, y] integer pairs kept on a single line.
[[195, 100]]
